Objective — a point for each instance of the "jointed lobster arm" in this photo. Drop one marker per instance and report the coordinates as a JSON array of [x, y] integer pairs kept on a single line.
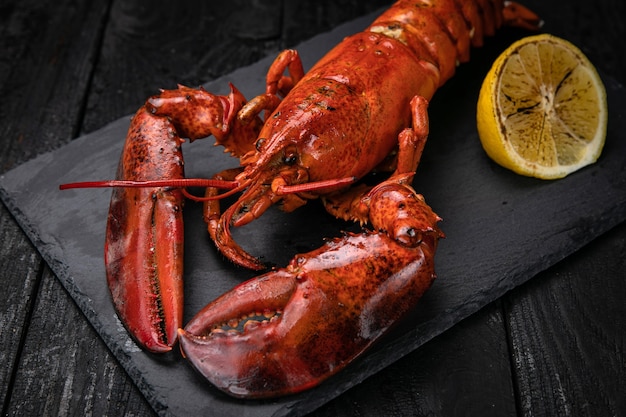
[[144, 236], [289, 329], [366, 100]]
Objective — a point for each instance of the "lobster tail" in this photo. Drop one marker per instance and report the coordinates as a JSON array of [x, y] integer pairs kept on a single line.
[[442, 31]]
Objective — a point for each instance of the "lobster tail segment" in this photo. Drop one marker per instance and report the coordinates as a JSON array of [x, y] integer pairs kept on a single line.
[[517, 15], [441, 32]]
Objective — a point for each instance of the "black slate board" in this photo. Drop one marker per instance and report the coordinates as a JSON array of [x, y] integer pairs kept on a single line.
[[501, 229]]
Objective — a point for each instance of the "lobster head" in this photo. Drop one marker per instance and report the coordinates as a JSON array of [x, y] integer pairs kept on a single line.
[[280, 172]]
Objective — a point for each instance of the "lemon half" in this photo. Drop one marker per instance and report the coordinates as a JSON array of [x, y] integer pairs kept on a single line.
[[542, 109]]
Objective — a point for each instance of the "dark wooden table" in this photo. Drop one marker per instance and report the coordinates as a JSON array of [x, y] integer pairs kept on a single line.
[[554, 346]]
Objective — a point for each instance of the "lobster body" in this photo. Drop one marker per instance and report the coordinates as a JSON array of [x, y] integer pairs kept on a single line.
[[343, 118], [362, 107], [334, 125]]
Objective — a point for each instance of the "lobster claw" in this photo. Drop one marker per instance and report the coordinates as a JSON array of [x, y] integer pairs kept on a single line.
[[291, 328], [144, 237], [146, 283], [145, 278]]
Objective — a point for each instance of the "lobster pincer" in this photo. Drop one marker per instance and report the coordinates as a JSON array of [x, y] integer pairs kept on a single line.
[[144, 237], [289, 329]]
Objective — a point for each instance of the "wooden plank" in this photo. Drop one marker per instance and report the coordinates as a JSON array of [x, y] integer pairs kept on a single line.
[[147, 48], [567, 334], [20, 264], [65, 368], [305, 19], [45, 65], [463, 372]]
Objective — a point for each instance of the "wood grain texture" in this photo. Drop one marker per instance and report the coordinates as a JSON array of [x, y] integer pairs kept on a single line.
[[65, 365], [567, 334], [45, 68], [463, 372], [20, 266], [562, 334], [148, 46], [305, 19]]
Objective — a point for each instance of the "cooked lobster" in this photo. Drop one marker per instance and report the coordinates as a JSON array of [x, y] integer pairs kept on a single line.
[[362, 107]]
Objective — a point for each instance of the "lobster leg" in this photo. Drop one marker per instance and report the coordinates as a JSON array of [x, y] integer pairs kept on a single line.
[[290, 329], [276, 83], [196, 113], [411, 141], [219, 235], [353, 205]]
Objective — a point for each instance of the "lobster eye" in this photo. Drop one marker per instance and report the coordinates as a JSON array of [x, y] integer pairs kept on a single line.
[[408, 236], [259, 144], [290, 158]]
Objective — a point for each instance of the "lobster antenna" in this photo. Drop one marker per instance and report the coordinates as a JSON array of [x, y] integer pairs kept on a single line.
[[323, 185], [233, 187], [176, 183]]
